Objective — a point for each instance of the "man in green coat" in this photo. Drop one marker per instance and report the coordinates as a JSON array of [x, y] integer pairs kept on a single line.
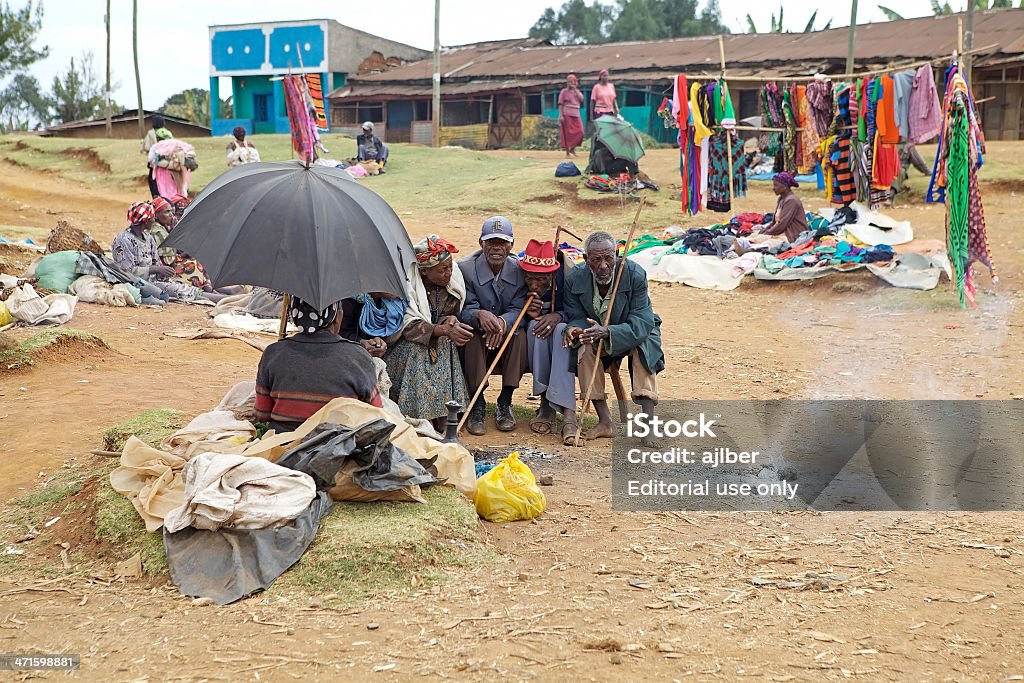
[[634, 330]]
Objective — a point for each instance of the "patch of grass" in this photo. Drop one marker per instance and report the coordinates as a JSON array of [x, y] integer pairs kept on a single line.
[[150, 426], [119, 524], [61, 487], [364, 548], [21, 355]]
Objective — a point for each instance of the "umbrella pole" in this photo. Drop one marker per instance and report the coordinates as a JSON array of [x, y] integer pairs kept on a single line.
[[285, 300], [494, 364], [582, 412]]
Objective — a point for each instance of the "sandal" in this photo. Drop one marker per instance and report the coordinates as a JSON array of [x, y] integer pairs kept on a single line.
[[569, 434], [542, 425]]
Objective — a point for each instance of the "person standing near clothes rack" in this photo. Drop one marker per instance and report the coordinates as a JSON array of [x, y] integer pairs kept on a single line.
[[602, 97]]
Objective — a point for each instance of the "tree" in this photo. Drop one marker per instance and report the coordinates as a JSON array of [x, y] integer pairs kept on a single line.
[[945, 8], [77, 93], [624, 20], [777, 27], [23, 106], [18, 30], [194, 105]]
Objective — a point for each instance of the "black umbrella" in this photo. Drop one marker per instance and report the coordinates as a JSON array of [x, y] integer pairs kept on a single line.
[[312, 232]]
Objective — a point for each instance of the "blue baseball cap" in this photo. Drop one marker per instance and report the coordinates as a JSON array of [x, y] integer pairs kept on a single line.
[[497, 227]]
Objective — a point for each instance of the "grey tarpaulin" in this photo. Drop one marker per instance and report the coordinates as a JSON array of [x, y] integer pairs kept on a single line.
[[382, 466], [230, 564]]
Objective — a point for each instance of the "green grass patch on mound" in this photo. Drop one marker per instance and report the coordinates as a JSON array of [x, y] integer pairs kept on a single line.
[[119, 524], [150, 426], [365, 548], [21, 355]]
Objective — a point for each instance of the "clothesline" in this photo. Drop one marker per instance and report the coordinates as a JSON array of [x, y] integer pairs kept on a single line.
[[840, 77]]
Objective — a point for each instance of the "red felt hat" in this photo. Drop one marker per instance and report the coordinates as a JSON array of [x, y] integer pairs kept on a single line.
[[539, 257]]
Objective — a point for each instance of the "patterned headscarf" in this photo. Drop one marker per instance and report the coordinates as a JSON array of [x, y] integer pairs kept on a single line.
[[786, 179], [432, 251], [140, 213], [310, 320], [180, 201], [159, 203]]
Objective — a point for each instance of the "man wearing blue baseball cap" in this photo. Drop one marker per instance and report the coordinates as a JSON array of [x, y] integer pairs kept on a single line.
[[495, 295]]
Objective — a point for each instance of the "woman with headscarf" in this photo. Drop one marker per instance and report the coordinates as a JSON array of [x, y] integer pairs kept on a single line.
[[423, 358], [787, 223], [187, 270], [603, 101], [301, 374], [135, 251], [570, 99], [154, 135], [240, 151]]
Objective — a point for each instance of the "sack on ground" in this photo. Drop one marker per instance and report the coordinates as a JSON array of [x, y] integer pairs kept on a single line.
[[567, 169], [508, 492], [57, 271]]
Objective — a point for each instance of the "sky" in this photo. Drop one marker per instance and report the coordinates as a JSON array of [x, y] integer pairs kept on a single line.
[[174, 40]]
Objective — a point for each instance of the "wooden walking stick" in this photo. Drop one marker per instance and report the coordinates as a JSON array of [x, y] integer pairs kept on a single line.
[[494, 363], [607, 320]]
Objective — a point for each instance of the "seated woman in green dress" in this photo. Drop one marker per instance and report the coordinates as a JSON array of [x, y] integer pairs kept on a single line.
[[423, 358]]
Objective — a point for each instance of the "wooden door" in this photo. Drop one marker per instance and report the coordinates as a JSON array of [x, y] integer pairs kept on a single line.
[[506, 120]]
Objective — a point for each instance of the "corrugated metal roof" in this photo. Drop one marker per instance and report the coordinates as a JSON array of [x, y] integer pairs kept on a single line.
[[770, 54]]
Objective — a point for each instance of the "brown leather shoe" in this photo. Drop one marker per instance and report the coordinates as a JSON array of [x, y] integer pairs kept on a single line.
[[503, 417]]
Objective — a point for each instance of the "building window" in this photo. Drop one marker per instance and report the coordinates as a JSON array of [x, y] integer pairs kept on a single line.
[[749, 103], [635, 98], [422, 110], [261, 107], [533, 104], [371, 111]]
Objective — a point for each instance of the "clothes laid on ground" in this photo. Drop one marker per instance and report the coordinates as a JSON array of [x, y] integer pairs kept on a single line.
[[301, 374]]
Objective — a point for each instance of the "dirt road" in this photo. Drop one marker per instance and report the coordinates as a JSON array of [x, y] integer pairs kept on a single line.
[[584, 591]]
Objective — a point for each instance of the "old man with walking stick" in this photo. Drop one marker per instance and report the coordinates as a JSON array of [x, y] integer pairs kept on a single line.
[[496, 297], [612, 323]]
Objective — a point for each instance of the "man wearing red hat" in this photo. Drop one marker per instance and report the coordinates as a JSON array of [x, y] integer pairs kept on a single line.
[[549, 358]]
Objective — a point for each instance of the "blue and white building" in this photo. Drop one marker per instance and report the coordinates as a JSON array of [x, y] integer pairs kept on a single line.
[[253, 55]]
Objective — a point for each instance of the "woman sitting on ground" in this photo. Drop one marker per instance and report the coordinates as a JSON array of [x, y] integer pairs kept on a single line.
[[241, 151], [301, 374], [423, 358], [187, 269]]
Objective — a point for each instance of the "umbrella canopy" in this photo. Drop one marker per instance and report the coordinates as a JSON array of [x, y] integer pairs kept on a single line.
[[620, 138], [312, 232]]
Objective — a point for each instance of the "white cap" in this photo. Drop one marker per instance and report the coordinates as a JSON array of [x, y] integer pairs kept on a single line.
[[368, 125]]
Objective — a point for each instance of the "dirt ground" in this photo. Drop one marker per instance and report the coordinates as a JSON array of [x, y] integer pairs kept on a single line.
[[584, 592]]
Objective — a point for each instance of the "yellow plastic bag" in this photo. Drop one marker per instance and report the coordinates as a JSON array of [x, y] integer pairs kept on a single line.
[[508, 492], [5, 316]]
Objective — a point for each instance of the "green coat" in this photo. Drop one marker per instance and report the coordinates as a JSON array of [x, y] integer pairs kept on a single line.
[[634, 324]]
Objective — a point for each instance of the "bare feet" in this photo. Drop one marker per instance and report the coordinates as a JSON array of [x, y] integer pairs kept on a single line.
[[601, 430]]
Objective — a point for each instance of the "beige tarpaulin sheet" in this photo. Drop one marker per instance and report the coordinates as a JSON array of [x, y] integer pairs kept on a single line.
[[151, 479], [217, 431], [239, 492], [454, 462]]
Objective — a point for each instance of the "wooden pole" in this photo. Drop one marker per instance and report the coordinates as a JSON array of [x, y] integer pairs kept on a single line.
[[494, 363], [968, 43], [435, 118], [110, 127], [138, 78], [285, 301], [607, 320], [852, 37], [558, 233], [728, 133]]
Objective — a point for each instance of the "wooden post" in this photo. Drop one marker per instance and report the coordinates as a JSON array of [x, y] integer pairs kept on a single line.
[[728, 133], [852, 37], [969, 43], [490, 118], [607, 320], [435, 118], [106, 96], [138, 78]]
